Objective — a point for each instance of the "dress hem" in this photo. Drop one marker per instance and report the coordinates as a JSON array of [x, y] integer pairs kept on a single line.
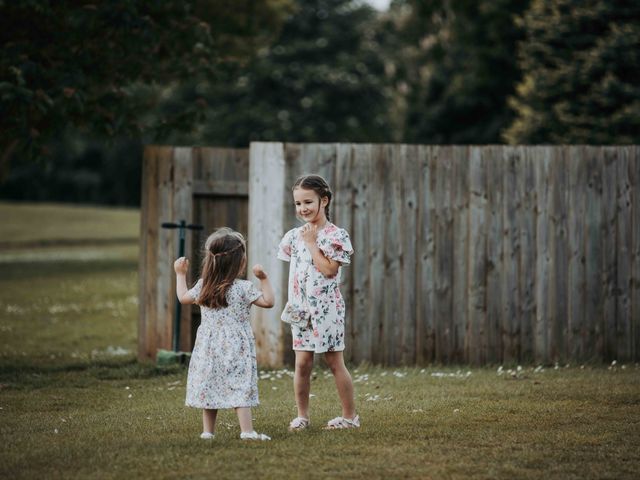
[[316, 351], [225, 406]]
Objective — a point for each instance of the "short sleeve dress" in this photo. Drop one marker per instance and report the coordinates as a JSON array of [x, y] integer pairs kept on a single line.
[[308, 286], [223, 372]]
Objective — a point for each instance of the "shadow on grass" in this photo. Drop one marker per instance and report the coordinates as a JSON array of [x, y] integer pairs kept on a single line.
[[47, 269], [30, 374]]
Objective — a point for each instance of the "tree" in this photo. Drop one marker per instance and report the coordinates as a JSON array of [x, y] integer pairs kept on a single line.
[[581, 64], [321, 80], [457, 69], [96, 69]]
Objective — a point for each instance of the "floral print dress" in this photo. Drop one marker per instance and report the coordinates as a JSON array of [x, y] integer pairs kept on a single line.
[[309, 287], [223, 372]]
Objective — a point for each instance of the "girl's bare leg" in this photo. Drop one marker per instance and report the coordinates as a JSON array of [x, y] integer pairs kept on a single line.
[[302, 381], [244, 418], [209, 420], [342, 377]]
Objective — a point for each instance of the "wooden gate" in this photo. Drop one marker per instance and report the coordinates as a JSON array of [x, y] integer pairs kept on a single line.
[[206, 186]]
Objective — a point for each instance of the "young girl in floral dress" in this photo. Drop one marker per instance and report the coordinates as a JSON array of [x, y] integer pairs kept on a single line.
[[316, 252], [223, 372]]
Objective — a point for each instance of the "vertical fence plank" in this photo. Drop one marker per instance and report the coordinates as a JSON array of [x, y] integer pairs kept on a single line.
[[409, 180], [376, 258], [527, 254], [609, 277], [147, 271], [342, 215], [511, 247], [425, 245], [392, 255], [576, 172], [475, 344], [360, 165], [308, 156], [443, 255], [268, 213], [293, 169], [543, 259], [594, 296], [557, 288], [459, 227], [183, 210], [516, 238], [165, 280], [634, 173], [623, 249], [495, 171], [326, 162]]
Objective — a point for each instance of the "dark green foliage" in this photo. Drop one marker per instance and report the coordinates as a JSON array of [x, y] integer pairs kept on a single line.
[[95, 69], [98, 74], [460, 70], [80, 172], [68, 67], [321, 80], [581, 64]]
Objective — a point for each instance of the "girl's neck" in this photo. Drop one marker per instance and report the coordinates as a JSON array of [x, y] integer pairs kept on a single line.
[[320, 222]]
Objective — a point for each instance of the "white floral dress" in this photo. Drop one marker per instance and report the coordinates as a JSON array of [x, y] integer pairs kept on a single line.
[[223, 372], [308, 286]]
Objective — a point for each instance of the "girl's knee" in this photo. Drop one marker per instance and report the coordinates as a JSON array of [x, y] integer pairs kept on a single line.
[[304, 365], [335, 363], [304, 368], [337, 367]]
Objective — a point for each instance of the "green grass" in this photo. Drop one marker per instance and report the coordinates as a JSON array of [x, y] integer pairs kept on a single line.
[[75, 404], [67, 304], [124, 421], [36, 224]]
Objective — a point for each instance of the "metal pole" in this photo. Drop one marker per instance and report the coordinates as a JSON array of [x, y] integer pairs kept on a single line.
[[178, 318], [182, 229]]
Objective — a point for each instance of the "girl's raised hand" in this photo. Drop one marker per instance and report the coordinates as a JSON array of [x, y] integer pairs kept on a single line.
[[259, 272], [309, 234], [181, 265]]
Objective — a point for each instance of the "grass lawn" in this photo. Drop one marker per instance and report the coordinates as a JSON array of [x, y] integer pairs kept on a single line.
[[46, 224], [75, 404]]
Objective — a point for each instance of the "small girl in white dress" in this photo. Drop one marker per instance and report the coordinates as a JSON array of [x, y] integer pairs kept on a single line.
[[223, 372], [316, 252]]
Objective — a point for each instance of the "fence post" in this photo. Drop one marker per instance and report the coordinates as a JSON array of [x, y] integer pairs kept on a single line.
[[266, 227]]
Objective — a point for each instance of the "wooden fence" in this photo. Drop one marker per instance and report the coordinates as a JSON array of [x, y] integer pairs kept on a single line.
[[206, 186], [467, 254]]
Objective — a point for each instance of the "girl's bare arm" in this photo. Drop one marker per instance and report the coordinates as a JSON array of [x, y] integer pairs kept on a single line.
[[181, 266], [268, 298]]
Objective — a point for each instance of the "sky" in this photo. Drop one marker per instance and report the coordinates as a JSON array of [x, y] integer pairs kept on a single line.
[[379, 4]]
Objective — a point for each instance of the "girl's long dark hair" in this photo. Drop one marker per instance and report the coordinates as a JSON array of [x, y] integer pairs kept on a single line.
[[224, 259], [318, 185]]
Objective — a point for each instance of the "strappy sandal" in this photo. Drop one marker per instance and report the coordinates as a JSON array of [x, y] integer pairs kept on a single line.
[[254, 436], [299, 423], [340, 423]]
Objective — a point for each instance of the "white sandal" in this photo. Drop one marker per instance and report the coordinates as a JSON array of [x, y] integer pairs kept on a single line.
[[299, 423], [207, 436], [340, 423], [254, 436]]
